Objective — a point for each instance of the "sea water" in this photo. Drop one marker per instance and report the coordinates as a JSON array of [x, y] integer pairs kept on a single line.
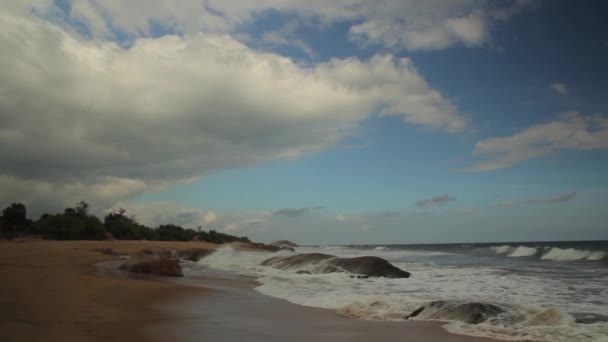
[[554, 291]]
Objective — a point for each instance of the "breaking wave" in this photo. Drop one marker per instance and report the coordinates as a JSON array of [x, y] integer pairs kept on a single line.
[[523, 251], [550, 253], [531, 312]]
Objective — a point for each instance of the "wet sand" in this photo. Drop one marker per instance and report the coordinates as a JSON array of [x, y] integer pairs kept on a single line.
[[55, 291], [233, 311]]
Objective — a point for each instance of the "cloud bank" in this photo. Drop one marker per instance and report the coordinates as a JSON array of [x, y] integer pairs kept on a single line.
[[91, 118], [410, 24]]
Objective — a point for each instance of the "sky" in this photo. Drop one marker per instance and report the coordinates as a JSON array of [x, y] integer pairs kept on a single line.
[[321, 122]]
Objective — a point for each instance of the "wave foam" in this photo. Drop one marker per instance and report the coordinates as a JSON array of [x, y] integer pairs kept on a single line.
[[523, 251], [394, 299], [501, 249], [571, 254]]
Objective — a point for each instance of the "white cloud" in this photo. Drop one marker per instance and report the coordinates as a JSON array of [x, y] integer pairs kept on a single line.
[[554, 199], [157, 213], [570, 131], [560, 88], [411, 24], [106, 122], [231, 227], [209, 217]]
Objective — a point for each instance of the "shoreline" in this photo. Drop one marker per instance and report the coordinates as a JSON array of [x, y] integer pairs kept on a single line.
[[233, 310], [56, 290]]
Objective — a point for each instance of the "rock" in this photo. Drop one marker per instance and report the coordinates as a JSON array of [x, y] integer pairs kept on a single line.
[[472, 313], [287, 248], [193, 254], [107, 251], [152, 264], [243, 246], [296, 261], [282, 243], [361, 267], [370, 266], [158, 251], [303, 272]]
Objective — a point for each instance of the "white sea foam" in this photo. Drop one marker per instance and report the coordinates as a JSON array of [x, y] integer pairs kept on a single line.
[[571, 254], [501, 249], [381, 248], [523, 251], [393, 299]]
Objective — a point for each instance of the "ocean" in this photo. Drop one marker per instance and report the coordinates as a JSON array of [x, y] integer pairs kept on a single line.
[[550, 291]]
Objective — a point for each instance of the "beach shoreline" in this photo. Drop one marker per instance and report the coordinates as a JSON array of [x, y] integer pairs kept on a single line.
[[55, 290]]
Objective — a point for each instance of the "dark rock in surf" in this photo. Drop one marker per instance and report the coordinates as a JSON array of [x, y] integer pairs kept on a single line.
[[370, 266], [295, 261], [282, 243], [152, 264], [303, 272], [193, 254], [255, 246], [367, 266], [472, 313]]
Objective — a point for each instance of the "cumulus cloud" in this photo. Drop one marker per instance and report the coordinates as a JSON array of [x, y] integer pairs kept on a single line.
[[157, 213], [570, 131], [91, 117], [210, 217], [239, 224], [295, 212], [411, 24], [560, 198], [430, 202], [560, 88]]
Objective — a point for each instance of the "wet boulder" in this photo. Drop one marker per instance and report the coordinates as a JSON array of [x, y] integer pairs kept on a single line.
[[296, 261], [255, 246], [193, 254], [467, 312], [369, 266], [284, 243], [152, 264], [320, 263]]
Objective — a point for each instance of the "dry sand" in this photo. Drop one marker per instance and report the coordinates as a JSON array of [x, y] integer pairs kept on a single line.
[[53, 291]]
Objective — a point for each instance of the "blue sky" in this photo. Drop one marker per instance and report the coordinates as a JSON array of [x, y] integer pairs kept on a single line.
[[349, 122]]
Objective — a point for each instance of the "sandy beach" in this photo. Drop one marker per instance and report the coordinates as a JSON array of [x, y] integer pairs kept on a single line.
[[53, 291]]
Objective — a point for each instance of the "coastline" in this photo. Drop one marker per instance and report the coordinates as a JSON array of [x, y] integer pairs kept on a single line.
[[54, 290]]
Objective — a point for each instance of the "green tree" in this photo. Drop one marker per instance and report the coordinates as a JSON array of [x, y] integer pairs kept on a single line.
[[14, 219]]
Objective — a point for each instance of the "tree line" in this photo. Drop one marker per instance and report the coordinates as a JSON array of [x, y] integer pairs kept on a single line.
[[78, 224]]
